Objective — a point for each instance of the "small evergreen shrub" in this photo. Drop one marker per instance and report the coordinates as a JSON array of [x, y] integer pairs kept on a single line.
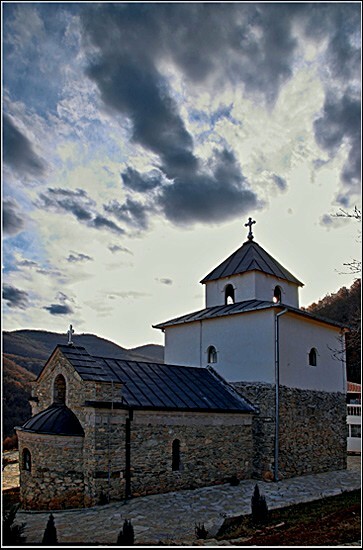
[[234, 481], [259, 507], [200, 531], [12, 534], [126, 536], [50, 533]]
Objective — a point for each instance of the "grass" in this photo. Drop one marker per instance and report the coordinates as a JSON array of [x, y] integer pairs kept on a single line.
[[329, 521]]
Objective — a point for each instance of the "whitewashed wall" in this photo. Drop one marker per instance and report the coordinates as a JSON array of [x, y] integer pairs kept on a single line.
[[244, 345], [297, 336], [252, 285]]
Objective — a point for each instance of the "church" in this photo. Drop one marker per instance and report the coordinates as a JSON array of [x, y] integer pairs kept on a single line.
[[252, 386]]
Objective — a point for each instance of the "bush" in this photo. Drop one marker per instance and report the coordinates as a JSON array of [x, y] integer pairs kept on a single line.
[[200, 531], [10, 443], [126, 536], [259, 507], [12, 534], [50, 533], [234, 481]]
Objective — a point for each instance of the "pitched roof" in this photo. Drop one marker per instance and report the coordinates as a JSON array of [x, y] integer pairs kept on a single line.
[[240, 308], [159, 386], [249, 257], [55, 420]]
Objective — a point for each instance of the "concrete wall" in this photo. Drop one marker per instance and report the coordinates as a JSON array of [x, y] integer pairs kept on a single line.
[[252, 285], [244, 344]]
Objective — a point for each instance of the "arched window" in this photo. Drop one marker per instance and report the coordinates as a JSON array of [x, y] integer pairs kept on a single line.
[[59, 390], [313, 357], [277, 295], [212, 354], [175, 463], [229, 295], [27, 460]]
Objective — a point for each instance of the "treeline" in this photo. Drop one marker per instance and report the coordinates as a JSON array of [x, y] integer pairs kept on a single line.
[[344, 306]]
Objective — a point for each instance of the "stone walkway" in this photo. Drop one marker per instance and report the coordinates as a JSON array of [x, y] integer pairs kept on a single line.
[[172, 516]]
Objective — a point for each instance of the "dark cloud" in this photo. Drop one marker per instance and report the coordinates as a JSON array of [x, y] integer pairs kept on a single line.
[[132, 179], [13, 219], [78, 203], [338, 125], [58, 309], [132, 212], [14, 297], [117, 248], [252, 45], [214, 196], [279, 182], [164, 281], [18, 151], [75, 257]]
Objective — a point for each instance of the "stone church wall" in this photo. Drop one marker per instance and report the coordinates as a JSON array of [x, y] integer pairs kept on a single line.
[[312, 430], [212, 449], [56, 479]]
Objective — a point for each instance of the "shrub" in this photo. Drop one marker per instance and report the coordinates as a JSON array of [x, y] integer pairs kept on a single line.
[[10, 443], [200, 531], [126, 536], [259, 507], [12, 534], [234, 481], [50, 533]]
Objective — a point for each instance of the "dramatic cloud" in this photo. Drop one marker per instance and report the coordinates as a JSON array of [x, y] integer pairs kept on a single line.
[[132, 179], [79, 204], [76, 257], [340, 124], [18, 151], [14, 297], [59, 309], [132, 212], [13, 219]]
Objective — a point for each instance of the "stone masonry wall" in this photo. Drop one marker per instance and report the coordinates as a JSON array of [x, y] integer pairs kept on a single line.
[[56, 478], [312, 430], [212, 449]]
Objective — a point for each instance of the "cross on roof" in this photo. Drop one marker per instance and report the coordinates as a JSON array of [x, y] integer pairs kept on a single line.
[[250, 224], [69, 334]]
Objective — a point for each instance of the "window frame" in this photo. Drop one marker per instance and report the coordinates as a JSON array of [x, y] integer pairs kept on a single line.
[[313, 357], [212, 355]]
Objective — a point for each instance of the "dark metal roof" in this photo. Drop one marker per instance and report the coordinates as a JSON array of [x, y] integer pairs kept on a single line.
[[55, 420], [239, 308], [217, 311], [249, 257], [86, 365], [159, 386]]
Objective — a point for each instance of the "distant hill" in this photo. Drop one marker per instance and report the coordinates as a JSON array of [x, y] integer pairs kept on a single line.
[[39, 344], [344, 306], [25, 352]]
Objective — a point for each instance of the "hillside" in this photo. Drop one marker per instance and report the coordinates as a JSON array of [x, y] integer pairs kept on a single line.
[[16, 393], [344, 306]]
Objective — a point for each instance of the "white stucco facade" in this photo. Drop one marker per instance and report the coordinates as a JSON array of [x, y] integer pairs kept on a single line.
[[249, 339], [253, 285]]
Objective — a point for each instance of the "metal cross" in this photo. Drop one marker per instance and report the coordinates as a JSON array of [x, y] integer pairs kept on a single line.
[[69, 334], [250, 224]]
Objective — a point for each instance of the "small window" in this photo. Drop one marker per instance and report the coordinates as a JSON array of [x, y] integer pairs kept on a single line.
[[175, 464], [277, 295], [59, 390], [313, 357], [212, 354], [27, 460], [355, 430], [229, 295]]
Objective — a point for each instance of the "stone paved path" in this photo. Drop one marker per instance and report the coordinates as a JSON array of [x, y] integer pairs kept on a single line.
[[172, 516]]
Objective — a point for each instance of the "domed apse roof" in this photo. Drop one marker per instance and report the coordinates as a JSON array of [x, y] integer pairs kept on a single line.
[[55, 420]]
